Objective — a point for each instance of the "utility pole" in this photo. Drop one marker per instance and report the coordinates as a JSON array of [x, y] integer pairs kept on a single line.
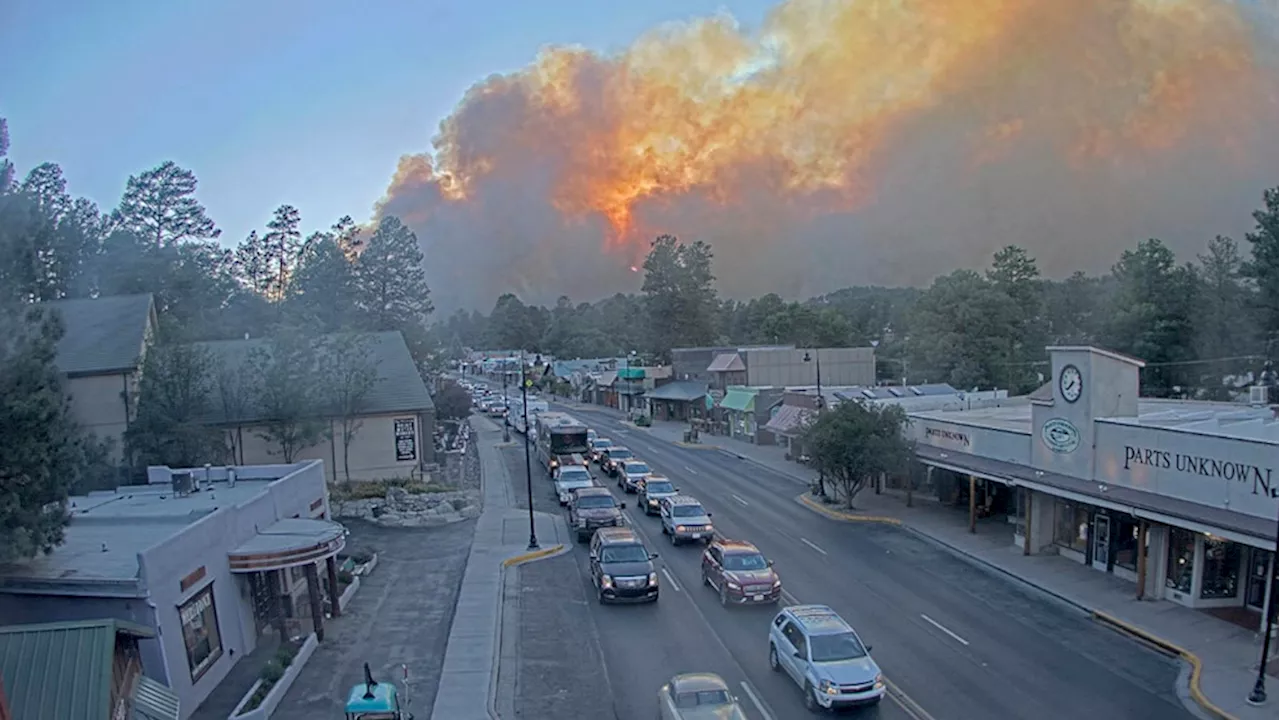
[[528, 466]]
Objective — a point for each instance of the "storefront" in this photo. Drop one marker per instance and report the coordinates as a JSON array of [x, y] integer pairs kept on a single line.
[[1178, 497]]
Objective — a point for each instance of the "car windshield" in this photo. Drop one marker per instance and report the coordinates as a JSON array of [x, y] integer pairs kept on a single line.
[[602, 443], [702, 698], [623, 554], [687, 511], [591, 435], [836, 647], [655, 487], [595, 501], [575, 479], [573, 472], [620, 454], [745, 561], [637, 468]]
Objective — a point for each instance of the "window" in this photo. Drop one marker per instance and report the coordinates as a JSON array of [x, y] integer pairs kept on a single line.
[[1019, 513], [200, 632], [1071, 525], [1221, 569], [1182, 559], [1126, 538]]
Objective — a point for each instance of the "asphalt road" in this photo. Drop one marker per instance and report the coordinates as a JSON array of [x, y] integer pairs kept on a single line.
[[955, 640]]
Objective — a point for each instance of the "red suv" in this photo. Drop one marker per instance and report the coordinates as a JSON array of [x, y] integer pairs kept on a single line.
[[740, 573]]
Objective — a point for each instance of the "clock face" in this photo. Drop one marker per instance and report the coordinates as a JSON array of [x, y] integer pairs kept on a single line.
[[1070, 383]]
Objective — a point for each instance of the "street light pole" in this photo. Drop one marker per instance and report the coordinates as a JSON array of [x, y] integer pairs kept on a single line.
[[506, 403], [528, 466], [1259, 694]]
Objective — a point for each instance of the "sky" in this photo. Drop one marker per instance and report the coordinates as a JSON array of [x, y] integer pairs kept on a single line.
[[306, 102]]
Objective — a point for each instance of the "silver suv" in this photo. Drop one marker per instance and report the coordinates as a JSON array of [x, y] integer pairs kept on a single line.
[[632, 474], [654, 489], [825, 657], [684, 518]]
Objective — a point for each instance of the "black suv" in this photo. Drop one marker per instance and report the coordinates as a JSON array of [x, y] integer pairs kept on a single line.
[[592, 508], [622, 567]]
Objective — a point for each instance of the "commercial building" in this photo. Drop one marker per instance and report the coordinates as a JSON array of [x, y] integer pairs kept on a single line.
[[1177, 497], [207, 561], [103, 344], [773, 366], [394, 424]]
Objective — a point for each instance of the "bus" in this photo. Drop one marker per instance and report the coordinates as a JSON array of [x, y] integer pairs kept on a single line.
[[516, 413], [558, 434]]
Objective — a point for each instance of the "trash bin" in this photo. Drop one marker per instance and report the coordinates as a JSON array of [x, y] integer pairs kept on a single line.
[[688, 436]]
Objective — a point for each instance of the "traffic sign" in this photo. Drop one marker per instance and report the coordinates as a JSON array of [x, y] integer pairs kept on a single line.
[[528, 382]]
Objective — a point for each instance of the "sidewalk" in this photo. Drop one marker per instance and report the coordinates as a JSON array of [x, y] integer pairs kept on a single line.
[[1228, 654], [468, 678]]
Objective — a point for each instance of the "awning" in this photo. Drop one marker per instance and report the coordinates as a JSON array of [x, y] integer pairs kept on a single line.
[[727, 362], [679, 391], [790, 420], [739, 399], [623, 387], [288, 543]]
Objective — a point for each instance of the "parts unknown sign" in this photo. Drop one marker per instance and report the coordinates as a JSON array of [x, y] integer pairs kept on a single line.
[[406, 430]]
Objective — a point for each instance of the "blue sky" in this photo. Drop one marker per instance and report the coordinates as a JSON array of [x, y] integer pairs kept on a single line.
[[308, 102]]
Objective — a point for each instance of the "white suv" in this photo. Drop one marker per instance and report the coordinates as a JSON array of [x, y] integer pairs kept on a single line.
[[825, 657], [684, 518]]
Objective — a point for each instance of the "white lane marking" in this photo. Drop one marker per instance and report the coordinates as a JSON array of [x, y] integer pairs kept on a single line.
[[691, 470], [939, 625], [789, 599], [815, 547], [740, 500], [671, 580], [756, 701]]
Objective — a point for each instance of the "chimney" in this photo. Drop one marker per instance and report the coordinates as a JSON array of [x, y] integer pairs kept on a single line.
[[231, 476]]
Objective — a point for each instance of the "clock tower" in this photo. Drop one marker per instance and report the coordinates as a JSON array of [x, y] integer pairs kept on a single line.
[[1087, 383]]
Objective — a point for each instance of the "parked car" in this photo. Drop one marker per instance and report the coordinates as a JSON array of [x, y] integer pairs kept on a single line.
[[821, 652], [684, 518], [740, 573], [622, 567], [591, 508], [698, 696], [632, 474], [655, 488], [570, 478]]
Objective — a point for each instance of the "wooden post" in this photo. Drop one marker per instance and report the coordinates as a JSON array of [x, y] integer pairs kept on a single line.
[[1142, 559], [313, 593], [276, 578], [335, 593], [1026, 524], [973, 504]]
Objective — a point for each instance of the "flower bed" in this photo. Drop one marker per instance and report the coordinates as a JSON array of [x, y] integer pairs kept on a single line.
[[277, 677]]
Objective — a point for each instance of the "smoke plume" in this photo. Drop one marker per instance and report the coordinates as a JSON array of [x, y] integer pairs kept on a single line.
[[851, 142]]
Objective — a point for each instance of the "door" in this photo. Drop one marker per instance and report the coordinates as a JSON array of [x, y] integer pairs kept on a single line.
[[1101, 541], [1256, 592], [796, 645], [711, 566]]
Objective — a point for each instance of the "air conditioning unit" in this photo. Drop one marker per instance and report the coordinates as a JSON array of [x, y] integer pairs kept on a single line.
[[183, 483], [1258, 395]]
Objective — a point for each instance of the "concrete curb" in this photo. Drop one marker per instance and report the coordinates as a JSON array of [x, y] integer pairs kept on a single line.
[[533, 555], [1189, 657], [498, 684], [842, 516], [696, 446], [1115, 623]]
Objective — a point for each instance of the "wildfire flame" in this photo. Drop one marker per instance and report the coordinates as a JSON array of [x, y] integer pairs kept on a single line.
[[811, 109]]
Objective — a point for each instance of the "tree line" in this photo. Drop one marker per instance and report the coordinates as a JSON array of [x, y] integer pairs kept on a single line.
[[1194, 323]]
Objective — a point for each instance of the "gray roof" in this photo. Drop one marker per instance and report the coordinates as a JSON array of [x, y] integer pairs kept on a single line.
[[399, 387], [103, 335], [680, 390]]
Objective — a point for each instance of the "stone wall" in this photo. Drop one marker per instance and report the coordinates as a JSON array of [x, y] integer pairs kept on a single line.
[[400, 508]]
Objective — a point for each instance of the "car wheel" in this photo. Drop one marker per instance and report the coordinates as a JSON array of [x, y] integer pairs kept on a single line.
[[773, 659], [724, 595], [600, 596], [674, 541], [811, 699]]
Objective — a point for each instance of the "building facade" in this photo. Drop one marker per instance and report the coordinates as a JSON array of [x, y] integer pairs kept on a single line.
[[210, 561], [1178, 497]]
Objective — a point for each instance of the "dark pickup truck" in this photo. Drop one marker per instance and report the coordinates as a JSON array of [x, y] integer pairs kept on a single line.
[[593, 508]]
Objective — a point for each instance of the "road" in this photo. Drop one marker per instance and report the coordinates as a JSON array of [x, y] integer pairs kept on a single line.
[[954, 639]]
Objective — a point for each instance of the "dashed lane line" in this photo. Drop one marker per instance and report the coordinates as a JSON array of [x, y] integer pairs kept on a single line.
[[815, 547], [670, 579], [939, 625], [755, 700], [742, 502]]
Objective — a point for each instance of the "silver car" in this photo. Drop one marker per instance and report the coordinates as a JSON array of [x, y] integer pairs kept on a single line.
[[570, 478], [655, 488], [698, 696], [825, 657], [632, 474], [684, 518]]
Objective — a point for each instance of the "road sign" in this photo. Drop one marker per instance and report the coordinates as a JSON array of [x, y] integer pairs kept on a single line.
[[528, 383]]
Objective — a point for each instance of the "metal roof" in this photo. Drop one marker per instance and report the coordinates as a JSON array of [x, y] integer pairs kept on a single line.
[[679, 390], [399, 387], [727, 362], [61, 671], [102, 335]]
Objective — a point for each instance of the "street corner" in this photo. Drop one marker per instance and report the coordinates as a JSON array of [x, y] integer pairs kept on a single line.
[[540, 554], [844, 515], [1193, 660]]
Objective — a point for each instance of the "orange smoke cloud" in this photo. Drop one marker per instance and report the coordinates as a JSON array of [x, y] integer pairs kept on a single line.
[[767, 141]]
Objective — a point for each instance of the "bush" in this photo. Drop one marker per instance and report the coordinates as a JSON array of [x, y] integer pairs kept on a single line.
[[362, 557], [345, 577], [273, 670], [286, 654], [458, 503]]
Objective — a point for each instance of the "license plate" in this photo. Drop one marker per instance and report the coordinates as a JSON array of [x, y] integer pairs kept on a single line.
[[696, 536], [757, 598]]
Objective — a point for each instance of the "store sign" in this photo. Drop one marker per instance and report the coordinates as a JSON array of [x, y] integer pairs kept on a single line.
[[406, 439], [945, 435], [1060, 436], [192, 611], [1260, 479]]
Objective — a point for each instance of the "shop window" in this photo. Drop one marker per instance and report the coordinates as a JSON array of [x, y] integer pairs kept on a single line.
[[1019, 509], [1126, 534], [1221, 569], [1182, 560], [1071, 525], [200, 632]]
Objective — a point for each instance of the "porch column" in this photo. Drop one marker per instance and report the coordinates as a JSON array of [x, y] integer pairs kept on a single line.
[[331, 569], [313, 594], [1026, 526], [276, 580], [973, 504], [1142, 559]]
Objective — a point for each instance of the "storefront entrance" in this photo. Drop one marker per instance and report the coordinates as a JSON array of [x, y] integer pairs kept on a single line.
[[1256, 589], [1101, 542]]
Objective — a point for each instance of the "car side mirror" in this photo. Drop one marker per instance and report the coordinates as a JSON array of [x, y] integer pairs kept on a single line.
[[798, 655], [676, 489], [622, 505], [653, 556], [868, 647], [708, 514], [770, 563]]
